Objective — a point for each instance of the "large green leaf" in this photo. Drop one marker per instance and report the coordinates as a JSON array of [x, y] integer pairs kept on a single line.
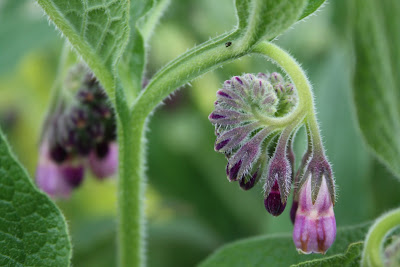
[[267, 18], [32, 229], [279, 250], [376, 81], [97, 29], [350, 258]]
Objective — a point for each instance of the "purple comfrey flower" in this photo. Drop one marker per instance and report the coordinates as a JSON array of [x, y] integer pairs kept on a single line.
[[104, 161], [315, 225], [57, 180], [79, 130]]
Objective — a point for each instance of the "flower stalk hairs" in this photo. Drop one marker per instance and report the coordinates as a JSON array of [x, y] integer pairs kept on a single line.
[[255, 135]]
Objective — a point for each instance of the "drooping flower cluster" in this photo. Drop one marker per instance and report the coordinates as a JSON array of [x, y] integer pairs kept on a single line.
[[80, 132], [247, 117]]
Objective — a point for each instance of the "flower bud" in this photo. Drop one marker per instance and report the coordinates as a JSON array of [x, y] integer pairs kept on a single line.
[[277, 186], [104, 161], [248, 181], [315, 225], [273, 202]]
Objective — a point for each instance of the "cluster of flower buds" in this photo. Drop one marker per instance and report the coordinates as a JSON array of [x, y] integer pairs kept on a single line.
[[256, 149], [80, 132]]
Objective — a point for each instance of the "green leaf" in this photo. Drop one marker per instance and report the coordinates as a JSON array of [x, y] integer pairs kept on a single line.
[[97, 29], [144, 15], [33, 231], [279, 250], [311, 7], [376, 80], [350, 258], [266, 19]]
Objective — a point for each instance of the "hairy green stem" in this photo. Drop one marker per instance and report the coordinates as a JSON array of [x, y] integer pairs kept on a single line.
[[131, 184], [187, 67], [373, 246], [131, 194]]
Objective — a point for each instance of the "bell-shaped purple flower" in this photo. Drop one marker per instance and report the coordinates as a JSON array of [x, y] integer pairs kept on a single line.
[[104, 160], [57, 180], [278, 183], [315, 225]]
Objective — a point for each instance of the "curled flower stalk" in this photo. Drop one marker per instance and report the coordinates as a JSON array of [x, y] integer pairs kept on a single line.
[[375, 253], [256, 118]]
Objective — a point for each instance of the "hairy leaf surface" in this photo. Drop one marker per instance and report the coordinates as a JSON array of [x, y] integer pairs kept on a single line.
[[33, 231], [269, 18], [279, 250], [97, 29]]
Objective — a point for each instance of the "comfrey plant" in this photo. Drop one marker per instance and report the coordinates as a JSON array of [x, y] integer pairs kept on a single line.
[[99, 113], [256, 116], [253, 131]]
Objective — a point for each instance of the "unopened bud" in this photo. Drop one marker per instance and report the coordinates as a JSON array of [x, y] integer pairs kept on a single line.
[[273, 202]]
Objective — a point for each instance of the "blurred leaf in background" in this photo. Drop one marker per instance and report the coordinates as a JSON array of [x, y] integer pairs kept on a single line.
[[376, 80]]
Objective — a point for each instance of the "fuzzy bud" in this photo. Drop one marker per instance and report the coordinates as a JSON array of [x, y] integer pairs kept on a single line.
[[277, 186]]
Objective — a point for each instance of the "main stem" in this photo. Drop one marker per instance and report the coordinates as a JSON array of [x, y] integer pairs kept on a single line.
[[131, 191]]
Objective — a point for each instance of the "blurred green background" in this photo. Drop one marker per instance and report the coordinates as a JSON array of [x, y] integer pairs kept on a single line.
[[191, 207]]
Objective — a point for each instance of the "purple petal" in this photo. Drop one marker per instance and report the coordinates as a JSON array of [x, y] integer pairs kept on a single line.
[[250, 183], [73, 174], [273, 202], [107, 165], [49, 177], [315, 225], [235, 136], [233, 172]]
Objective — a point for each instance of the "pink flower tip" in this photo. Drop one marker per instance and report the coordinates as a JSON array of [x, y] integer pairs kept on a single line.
[[57, 180], [315, 224], [104, 164]]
